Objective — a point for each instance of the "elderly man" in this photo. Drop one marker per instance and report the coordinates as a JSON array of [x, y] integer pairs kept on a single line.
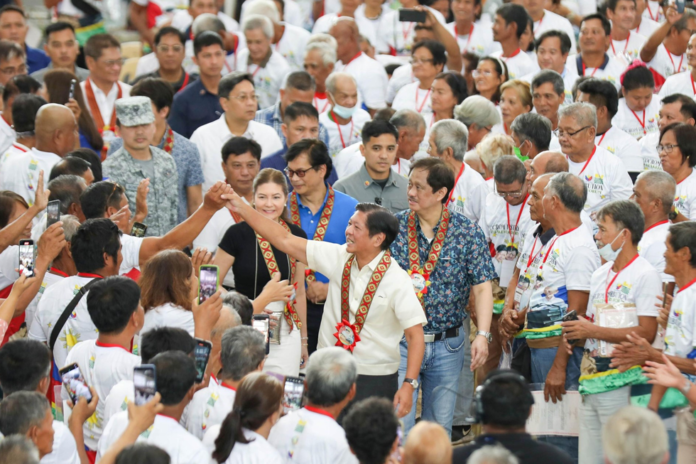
[[532, 135], [369, 74], [29, 414], [479, 115], [552, 49], [331, 385], [297, 86], [13, 27], [319, 60], [664, 51], [138, 160], [449, 141], [267, 67], [345, 120], [170, 51], [604, 175], [548, 93], [635, 435], [62, 48]]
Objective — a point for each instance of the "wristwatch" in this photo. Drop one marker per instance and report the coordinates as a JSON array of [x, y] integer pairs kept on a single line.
[[413, 382], [487, 335]]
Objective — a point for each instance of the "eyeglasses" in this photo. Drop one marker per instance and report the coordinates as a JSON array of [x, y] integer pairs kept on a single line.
[[299, 173], [560, 134], [517, 194], [666, 148], [166, 49], [244, 97], [11, 71], [112, 63], [486, 73], [420, 61]]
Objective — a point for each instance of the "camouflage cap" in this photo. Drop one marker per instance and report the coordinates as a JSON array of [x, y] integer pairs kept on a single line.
[[134, 111]]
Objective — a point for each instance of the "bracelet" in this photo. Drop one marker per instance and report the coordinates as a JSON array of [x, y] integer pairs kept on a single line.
[[304, 338], [304, 344]]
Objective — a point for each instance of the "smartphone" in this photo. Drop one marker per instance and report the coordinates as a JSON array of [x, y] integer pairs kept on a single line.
[[74, 383], [26, 257], [71, 95], [138, 229], [52, 213], [293, 393], [262, 323], [144, 383], [201, 353], [208, 282], [571, 316], [411, 16]]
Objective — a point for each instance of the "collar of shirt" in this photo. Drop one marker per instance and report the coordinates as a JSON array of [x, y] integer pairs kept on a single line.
[[43, 154], [113, 93], [6, 128], [200, 88], [545, 236], [265, 61], [276, 113], [368, 181], [371, 265], [326, 196]]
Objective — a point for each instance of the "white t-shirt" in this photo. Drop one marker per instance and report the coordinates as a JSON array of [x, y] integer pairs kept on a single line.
[[16, 149], [519, 64], [685, 199], [412, 97], [48, 280], [121, 394], [292, 45], [650, 156], [311, 438], [476, 202], [569, 78], [403, 75], [652, 247], [611, 72], [324, 24], [342, 136], [9, 261], [552, 21], [102, 366], [209, 407], [21, 173], [396, 37], [168, 315], [647, 26], [678, 83], [605, 177], [210, 138], [402, 166], [681, 324], [7, 135], [461, 196], [391, 312], [257, 451], [130, 250], [478, 39], [627, 50], [619, 143], [637, 283], [64, 447], [666, 64], [166, 433], [638, 124], [653, 11], [348, 160], [267, 80], [371, 78]]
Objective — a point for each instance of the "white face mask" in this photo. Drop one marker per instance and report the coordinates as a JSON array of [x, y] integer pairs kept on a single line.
[[608, 253], [342, 111]]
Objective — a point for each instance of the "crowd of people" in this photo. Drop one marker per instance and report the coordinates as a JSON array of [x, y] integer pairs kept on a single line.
[[335, 231]]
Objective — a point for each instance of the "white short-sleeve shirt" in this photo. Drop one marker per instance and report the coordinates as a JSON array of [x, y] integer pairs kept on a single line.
[[552, 21], [343, 135], [646, 27], [611, 72], [666, 64], [679, 83], [650, 157], [291, 46], [49, 279], [9, 261], [396, 37], [461, 197], [211, 236], [209, 407], [257, 451], [619, 143], [391, 312], [412, 97], [681, 324], [519, 64], [638, 124], [64, 447], [21, 173], [652, 247], [130, 250], [168, 315], [478, 39], [403, 75], [120, 395], [348, 160], [267, 80], [371, 78], [627, 50], [685, 198]]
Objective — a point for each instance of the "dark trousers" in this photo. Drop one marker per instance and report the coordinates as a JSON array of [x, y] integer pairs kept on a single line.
[[367, 386], [314, 314]]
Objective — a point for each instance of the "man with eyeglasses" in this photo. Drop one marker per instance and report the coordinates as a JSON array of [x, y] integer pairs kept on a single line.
[[677, 107], [170, 50], [12, 61], [102, 89], [239, 101], [62, 48], [13, 27], [604, 174]]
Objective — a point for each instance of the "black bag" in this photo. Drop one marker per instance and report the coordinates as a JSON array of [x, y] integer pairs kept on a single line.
[[66, 313]]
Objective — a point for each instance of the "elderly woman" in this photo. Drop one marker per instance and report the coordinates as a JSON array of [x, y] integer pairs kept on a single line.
[[479, 115], [428, 59], [448, 91], [515, 99]]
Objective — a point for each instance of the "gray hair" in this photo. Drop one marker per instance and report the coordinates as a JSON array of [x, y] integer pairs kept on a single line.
[[660, 186], [253, 22], [533, 127], [10, 50], [450, 133], [207, 22], [18, 448], [243, 348], [492, 455], [265, 8], [235, 321], [494, 146], [635, 436], [508, 170], [477, 110], [409, 119], [626, 214], [549, 76], [570, 190], [682, 23], [67, 189], [325, 49], [241, 304], [330, 375], [333, 77], [70, 226], [585, 114], [323, 38], [21, 411]]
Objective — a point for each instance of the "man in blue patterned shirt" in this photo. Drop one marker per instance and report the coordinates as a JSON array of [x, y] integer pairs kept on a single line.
[[298, 86], [447, 258]]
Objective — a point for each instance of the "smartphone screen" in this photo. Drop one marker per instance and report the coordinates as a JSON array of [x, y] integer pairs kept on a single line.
[[411, 16], [261, 322], [208, 282], [201, 353], [75, 383], [292, 396], [138, 229], [71, 95], [26, 257], [52, 213], [144, 383]]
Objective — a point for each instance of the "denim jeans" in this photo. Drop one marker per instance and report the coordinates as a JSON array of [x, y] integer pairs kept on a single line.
[[466, 383], [439, 380], [596, 411], [542, 360]]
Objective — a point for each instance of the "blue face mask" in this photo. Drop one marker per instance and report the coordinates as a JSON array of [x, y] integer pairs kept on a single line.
[[342, 111]]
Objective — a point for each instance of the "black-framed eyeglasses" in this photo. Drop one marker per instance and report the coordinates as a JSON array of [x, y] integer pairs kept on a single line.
[[299, 173], [559, 133], [666, 148]]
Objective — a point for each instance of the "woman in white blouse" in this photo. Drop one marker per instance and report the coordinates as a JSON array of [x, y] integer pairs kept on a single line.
[[169, 286], [428, 59], [244, 432]]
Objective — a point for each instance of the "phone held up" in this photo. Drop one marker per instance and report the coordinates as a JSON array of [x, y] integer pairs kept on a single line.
[[74, 383], [208, 282], [201, 354], [293, 393], [26, 257], [411, 16], [71, 95], [52, 213], [139, 229], [262, 323], [144, 383]]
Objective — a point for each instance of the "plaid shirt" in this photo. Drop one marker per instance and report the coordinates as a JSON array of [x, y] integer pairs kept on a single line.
[[271, 117]]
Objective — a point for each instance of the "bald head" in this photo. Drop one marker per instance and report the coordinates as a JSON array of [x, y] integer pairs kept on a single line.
[[55, 129], [655, 185], [549, 161], [343, 26], [427, 443]]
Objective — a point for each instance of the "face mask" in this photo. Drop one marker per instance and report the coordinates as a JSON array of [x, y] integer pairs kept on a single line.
[[608, 253], [519, 154], [342, 111]]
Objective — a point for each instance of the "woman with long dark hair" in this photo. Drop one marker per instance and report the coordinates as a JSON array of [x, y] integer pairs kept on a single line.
[[57, 83]]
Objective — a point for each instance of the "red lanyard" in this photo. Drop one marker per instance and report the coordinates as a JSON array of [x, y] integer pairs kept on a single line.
[[514, 54], [23, 150], [600, 139], [693, 87], [686, 286], [186, 81], [519, 215], [548, 251], [88, 275], [58, 271], [531, 253], [583, 70], [676, 70], [351, 60], [642, 123], [655, 225], [425, 100], [407, 32], [340, 133], [625, 46], [257, 70], [588, 159], [228, 386], [318, 411], [316, 102], [606, 292], [647, 4], [534, 29], [461, 171], [471, 32]]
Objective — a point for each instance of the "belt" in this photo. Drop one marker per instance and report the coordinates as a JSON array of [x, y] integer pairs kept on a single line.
[[449, 333]]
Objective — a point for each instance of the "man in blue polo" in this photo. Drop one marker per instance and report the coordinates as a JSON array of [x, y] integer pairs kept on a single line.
[[322, 212], [13, 27]]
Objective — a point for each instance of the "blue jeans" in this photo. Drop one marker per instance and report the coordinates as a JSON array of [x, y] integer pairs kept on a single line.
[[542, 360], [439, 380]]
